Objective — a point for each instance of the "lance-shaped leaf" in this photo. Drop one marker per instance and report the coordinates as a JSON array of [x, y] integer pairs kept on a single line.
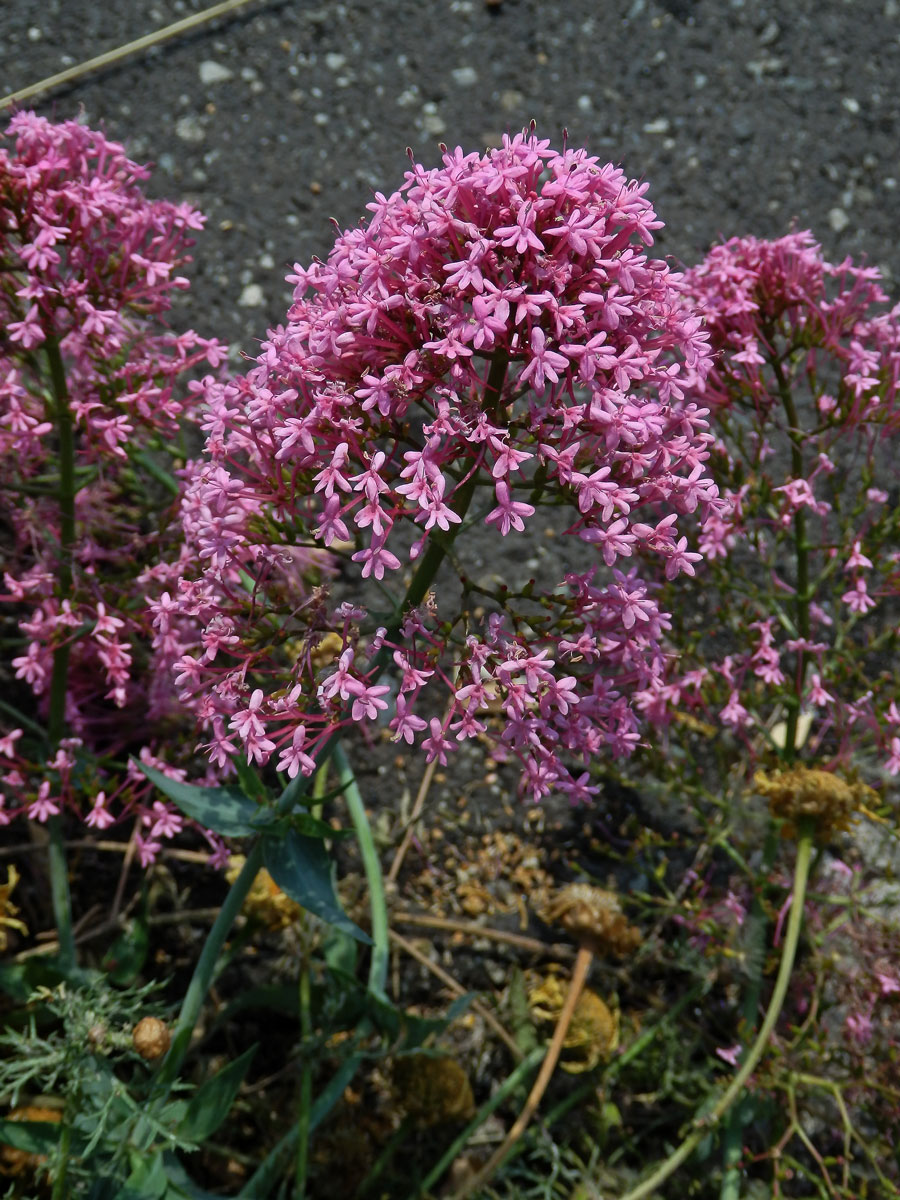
[[224, 810], [301, 868]]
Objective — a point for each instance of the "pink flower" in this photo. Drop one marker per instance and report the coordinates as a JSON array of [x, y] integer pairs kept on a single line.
[[858, 599], [859, 1027], [509, 513], [730, 1054]]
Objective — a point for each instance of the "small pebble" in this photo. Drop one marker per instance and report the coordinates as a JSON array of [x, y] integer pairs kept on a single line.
[[189, 129], [660, 125], [251, 297], [838, 219], [213, 72], [464, 76]]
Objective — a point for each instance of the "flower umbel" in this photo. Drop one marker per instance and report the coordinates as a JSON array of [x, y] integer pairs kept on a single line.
[[494, 339]]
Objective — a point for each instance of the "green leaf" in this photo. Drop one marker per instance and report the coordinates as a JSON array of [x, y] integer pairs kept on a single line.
[[301, 868], [224, 810], [339, 951], [147, 1180], [34, 1137], [210, 1105]]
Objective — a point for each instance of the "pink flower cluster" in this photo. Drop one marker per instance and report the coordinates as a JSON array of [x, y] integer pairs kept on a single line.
[[802, 576], [89, 265], [494, 340]]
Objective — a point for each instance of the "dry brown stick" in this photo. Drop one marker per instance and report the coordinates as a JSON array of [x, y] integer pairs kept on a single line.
[[70, 74], [419, 804], [470, 929], [548, 1066], [123, 875], [191, 856], [456, 987]]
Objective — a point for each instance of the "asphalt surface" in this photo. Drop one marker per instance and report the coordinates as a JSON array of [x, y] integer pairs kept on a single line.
[[743, 117]]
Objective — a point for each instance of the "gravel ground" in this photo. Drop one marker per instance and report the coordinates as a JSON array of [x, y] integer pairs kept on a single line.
[[744, 117]]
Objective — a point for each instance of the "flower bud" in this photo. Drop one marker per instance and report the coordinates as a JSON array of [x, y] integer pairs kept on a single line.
[[151, 1038]]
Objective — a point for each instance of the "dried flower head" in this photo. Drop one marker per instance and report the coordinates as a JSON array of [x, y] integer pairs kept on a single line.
[[265, 900], [151, 1038], [594, 1031], [432, 1090], [594, 918], [809, 793], [8, 910]]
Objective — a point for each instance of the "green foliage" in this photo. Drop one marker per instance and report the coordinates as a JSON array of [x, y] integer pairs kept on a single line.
[[75, 1043]]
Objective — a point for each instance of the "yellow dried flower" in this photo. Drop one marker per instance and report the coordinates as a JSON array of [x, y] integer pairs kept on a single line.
[[265, 900], [8, 910], [594, 918], [151, 1038], [432, 1090], [809, 793], [17, 1162], [328, 649], [594, 1031]]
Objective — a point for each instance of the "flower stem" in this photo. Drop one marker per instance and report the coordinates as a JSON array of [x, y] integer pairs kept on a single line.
[[703, 1124], [205, 969], [65, 1143], [421, 581], [801, 557], [303, 1117], [59, 679], [756, 951], [377, 904]]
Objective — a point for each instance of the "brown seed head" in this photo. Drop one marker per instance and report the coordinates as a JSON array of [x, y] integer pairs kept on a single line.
[[151, 1038], [808, 793], [594, 918], [432, 1090]]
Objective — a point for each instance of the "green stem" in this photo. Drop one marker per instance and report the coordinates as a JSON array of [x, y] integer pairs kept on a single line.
[[268, 1172], [509, 1085], [378, 968], [65, 1141], [305, 1082], [59, 679], [756, 952], [203, 973], [801, 556], [206, 967], [703, 1124]]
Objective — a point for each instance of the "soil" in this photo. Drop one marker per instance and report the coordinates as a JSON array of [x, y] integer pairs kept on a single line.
[[744, 117]]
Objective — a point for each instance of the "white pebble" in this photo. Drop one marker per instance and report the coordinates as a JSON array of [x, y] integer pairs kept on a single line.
[[838, 219], [660, 125], [213, 72], [334, 62], [464, 76], [851, 104], [189, 129], [252, 296]]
